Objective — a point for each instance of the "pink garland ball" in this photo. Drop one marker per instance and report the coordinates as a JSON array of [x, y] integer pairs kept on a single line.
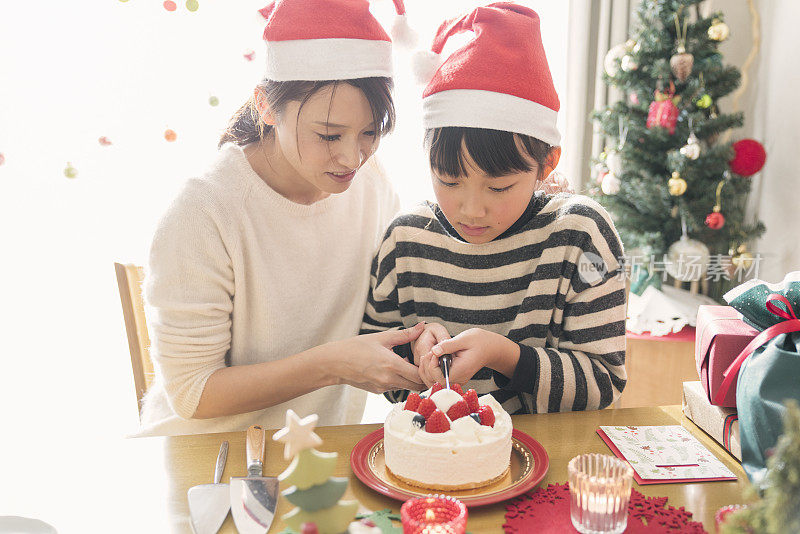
[[750, 157]]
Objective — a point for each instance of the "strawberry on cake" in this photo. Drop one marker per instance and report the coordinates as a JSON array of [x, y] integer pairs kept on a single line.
[[445, 439]]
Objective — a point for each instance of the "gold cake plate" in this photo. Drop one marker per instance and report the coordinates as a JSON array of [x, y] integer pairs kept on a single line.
[[529, 465]]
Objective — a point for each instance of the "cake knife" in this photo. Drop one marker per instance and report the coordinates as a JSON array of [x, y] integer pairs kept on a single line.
[[445, 362]]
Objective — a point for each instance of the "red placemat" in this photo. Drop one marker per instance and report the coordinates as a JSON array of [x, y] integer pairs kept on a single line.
[[546, 510], [686, 334]]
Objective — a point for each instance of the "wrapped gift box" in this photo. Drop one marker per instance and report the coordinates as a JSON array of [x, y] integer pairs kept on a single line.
[[722, 424], [721, 336]]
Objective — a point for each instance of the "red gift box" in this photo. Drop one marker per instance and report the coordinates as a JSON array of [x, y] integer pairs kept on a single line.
[[721, 336]]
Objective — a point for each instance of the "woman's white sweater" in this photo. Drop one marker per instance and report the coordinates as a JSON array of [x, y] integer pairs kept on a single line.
[[238, 275]]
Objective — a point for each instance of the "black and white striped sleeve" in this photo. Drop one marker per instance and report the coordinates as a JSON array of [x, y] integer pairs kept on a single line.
[[583, 365]]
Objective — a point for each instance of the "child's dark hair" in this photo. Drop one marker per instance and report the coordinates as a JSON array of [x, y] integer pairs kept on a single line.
[[245, 127], [495, 152]]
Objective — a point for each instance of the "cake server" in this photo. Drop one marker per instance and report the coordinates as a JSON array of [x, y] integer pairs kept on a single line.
[[445, 362], [254, 497], [209, 503]]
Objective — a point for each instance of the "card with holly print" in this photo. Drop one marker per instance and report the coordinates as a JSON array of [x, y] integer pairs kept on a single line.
[[664, 454]]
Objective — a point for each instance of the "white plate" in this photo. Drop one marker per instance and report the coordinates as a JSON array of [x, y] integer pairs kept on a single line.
[[12, 524]]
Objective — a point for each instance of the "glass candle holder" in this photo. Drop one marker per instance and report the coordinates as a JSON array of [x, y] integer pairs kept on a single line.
[[599, 488], [434, 514]]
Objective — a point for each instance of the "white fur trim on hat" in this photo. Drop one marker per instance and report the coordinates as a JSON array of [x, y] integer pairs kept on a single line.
[[424, 64], [474, 108], [403, 35], [328, 59]]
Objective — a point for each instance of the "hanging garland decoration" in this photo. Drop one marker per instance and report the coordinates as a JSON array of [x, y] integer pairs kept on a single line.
[[716, 220], [681, 62], [70, 171]]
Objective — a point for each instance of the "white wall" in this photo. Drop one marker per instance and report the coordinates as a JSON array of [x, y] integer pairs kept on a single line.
[[772, 116]]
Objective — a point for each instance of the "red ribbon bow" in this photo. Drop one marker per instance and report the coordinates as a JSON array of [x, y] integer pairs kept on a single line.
[[791, 324]]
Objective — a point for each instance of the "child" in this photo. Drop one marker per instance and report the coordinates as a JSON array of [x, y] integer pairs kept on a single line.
[[260, 268], [529, 285]]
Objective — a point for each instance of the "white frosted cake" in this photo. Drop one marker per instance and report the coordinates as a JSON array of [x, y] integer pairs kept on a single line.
[[448, 441]]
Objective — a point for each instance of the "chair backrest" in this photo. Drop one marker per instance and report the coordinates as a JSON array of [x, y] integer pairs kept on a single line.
[[129, 279]]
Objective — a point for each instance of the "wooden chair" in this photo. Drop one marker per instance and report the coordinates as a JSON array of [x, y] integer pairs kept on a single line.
[[129, 279]]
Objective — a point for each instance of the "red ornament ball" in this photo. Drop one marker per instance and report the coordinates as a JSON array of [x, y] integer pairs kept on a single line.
[[715, 220], [750, 157], [169, 5]]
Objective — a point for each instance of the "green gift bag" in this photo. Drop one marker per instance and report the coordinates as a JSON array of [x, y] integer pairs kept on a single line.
[[768, 369]]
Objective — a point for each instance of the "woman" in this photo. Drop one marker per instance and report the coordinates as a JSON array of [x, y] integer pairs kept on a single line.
[[259, 270]]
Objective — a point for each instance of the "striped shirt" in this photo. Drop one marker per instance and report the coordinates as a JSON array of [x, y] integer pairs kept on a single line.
[[555, 286]]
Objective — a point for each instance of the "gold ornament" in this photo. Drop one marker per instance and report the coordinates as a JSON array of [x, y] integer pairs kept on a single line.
[[677, 185], [743, 261], [70, 171], [718, 31]]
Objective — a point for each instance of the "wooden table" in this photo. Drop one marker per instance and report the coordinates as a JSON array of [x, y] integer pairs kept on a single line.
[[189, 460]]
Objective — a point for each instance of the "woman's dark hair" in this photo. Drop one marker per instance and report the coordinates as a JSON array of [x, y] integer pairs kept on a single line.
[[245, 127], [495, 152]]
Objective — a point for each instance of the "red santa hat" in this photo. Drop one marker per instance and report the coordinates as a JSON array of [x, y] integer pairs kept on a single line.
[[328, 40], [499, 80]]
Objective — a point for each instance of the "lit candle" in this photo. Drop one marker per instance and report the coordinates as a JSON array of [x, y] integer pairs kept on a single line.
[[434, 514], [600, 488]]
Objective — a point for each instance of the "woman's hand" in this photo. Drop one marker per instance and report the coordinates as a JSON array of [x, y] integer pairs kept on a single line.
[[367, 361], [472, 350], [432, 334]]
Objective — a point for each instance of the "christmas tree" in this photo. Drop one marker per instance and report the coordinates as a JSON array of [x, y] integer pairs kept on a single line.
[[311, 488], [667, 176], [778, 510]]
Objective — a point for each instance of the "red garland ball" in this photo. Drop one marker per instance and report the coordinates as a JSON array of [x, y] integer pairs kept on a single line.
[[715, 220], [750, 157]]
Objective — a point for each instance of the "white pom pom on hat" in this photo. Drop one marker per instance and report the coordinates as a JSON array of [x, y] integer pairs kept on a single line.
[[424, 64], [403, 35]]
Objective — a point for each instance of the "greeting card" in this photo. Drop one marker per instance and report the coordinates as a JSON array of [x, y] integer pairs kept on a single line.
[[664, 454]]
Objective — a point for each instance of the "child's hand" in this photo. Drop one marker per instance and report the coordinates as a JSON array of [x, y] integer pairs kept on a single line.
[[432, 334], [472, 350]]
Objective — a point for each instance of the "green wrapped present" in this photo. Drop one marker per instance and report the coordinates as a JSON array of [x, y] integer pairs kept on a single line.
[[767, 372]]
